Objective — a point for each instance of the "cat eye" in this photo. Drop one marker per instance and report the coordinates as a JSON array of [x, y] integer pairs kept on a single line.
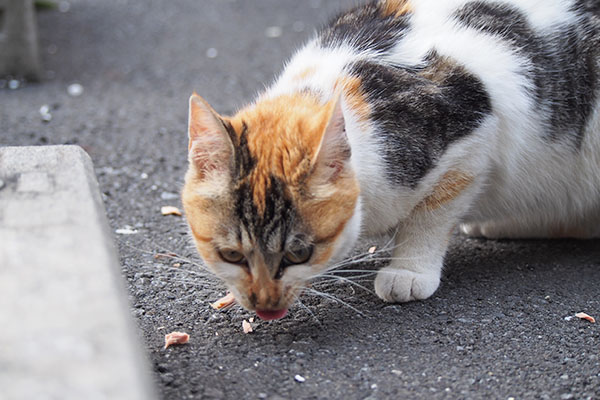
[[232, 256], [298, 256]]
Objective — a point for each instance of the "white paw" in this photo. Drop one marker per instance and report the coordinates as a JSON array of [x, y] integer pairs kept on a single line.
[[396, 285]]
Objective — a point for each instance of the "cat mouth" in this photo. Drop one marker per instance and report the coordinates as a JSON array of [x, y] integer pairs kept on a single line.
[[268, 315]]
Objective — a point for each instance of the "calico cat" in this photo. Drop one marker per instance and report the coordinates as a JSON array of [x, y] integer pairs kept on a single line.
[[405, 116]]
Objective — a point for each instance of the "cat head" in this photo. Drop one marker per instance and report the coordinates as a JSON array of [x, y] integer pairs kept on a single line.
[[270, 195]]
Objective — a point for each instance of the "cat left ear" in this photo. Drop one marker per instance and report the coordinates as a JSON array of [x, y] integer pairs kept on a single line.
[[210, 147], [334, 150]]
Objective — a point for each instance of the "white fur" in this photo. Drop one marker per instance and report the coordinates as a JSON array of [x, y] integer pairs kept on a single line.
[[523, 184]]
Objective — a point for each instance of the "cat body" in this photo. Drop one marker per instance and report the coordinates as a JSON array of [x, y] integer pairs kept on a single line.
[[407, 117]]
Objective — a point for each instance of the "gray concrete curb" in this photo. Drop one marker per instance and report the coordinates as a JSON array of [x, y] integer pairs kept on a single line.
[[65, 327]]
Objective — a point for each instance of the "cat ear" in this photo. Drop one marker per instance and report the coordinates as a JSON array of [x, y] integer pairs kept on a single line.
[[209, 147], [334, 151]]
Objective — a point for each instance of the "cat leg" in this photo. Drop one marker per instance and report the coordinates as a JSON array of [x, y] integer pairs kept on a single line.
[[523, 229], [421, 242], [416, 266]]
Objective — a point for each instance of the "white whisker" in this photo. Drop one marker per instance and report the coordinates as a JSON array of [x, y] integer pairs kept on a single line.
[[332, 297], [351, 282], [306, 308]]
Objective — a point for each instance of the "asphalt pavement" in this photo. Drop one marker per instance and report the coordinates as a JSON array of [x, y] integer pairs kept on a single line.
[[501, 325]]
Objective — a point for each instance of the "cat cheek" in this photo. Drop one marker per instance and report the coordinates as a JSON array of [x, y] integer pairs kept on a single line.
[[229, 273], [296, 274]]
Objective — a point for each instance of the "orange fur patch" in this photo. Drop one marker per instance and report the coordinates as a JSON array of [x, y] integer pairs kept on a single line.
[[395, 8], [285, 133], [310, 71], [323, 255], [356, 98], [447, 189], [203, 217], [327, 213]]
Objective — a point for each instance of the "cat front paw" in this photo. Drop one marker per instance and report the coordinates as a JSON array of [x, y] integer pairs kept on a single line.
[[396, 285]]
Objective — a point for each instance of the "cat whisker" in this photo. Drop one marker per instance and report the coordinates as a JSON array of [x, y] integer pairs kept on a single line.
[[370, 259], [337, 300], [207, 277], [341, 278], [167, 253], [304, 306]]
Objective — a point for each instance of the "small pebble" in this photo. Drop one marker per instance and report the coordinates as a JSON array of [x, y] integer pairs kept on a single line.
[[212, 53], [143, 175], [127, 230], [45, 113], [299, 378], [273, 32], [13, 84], [75, 89]]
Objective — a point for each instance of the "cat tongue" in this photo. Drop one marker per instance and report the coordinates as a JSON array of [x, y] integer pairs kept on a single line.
[[268, 315]]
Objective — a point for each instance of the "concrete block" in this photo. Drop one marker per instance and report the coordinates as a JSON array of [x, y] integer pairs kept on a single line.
[[65, 327], [19, 48]]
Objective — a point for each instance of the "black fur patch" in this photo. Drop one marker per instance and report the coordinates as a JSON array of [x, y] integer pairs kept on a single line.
[[365, 28], [588, 6], [418, 114], [563, 65], [270, 229], [242, 161], [273, 225]]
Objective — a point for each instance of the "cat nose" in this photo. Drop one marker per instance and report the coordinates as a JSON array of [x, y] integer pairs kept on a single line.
[[263, 298]]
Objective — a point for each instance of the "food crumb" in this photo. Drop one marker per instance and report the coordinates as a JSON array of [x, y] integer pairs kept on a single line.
[[170, 210], [176, 338], [372, 249], [224, 301], [251, 319], [299, 378], [583, 315], [246, 326]]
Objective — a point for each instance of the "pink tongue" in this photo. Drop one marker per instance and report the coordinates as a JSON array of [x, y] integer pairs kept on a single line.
[[271, 314]]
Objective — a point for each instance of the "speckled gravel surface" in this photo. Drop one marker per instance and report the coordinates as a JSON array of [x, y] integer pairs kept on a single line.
[[498, 328]]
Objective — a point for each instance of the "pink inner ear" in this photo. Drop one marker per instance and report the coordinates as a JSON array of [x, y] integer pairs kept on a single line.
[[334, 149], [209, 145], [210, 152], [336, 168]]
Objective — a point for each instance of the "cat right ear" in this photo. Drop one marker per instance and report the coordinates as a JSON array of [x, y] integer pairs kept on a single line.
[[209, 148]]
